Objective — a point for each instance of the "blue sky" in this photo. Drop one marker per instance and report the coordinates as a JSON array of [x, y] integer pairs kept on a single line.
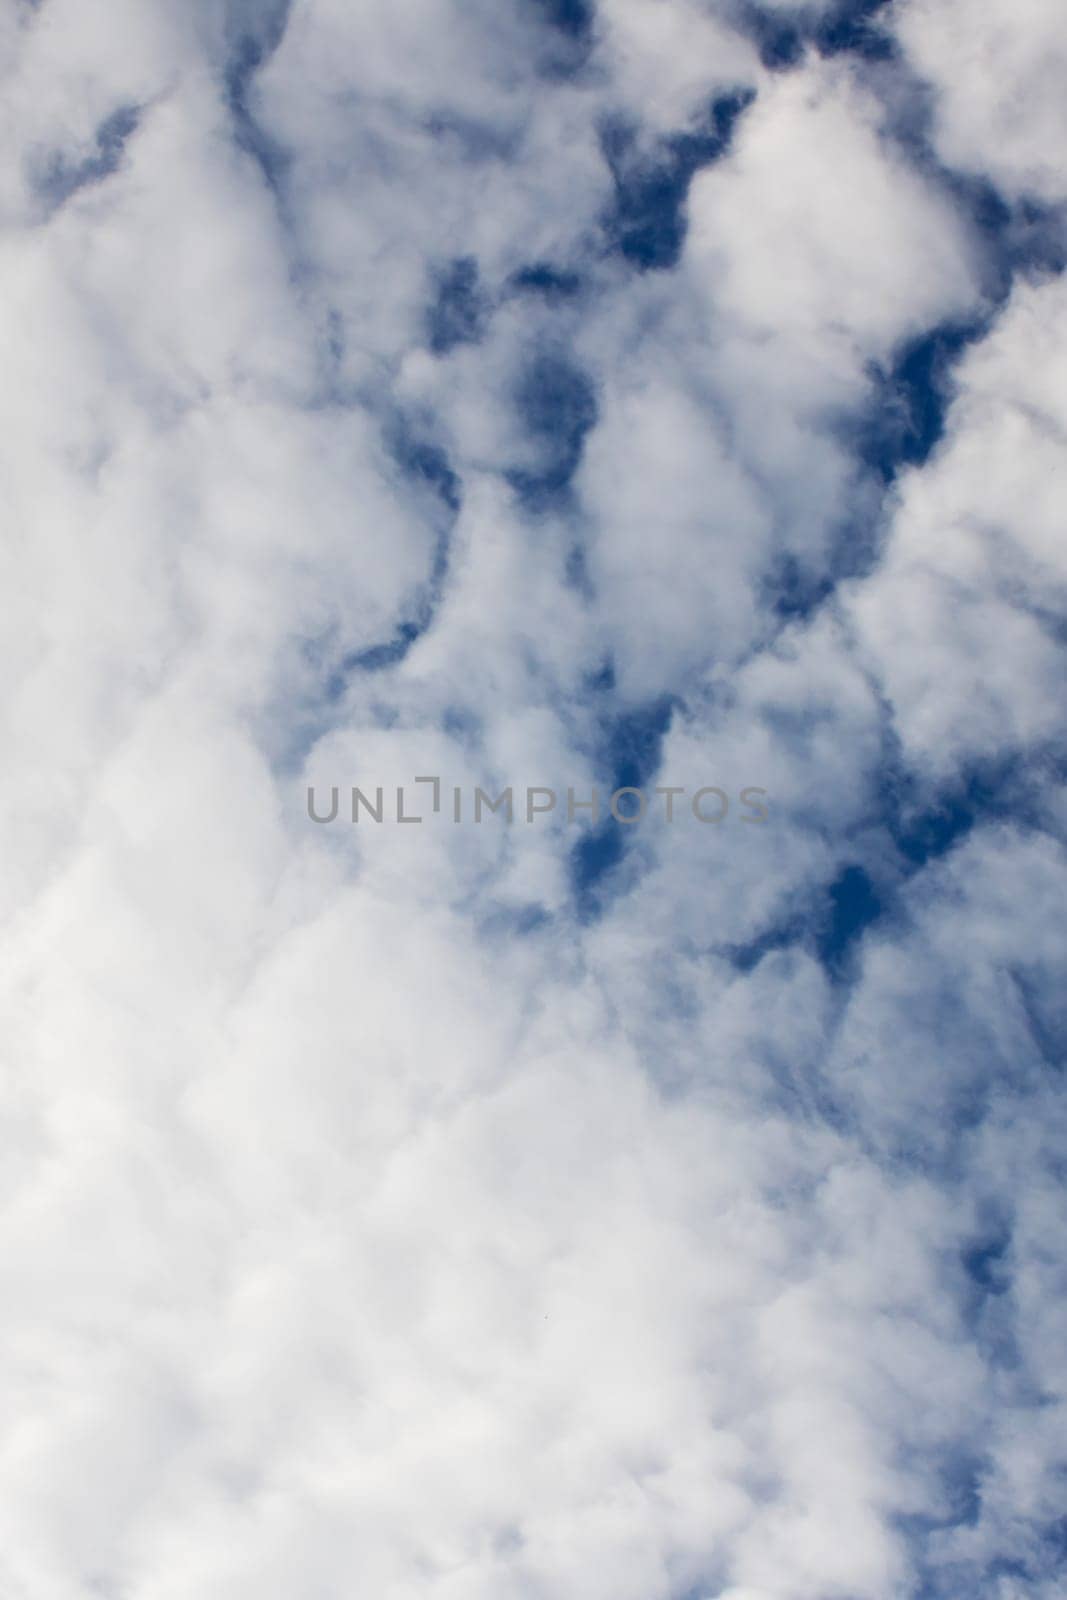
[[534, 393]]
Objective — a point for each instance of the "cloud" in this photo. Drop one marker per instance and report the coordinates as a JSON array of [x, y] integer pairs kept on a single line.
[[532, 395], [972, 555], [998, 109]]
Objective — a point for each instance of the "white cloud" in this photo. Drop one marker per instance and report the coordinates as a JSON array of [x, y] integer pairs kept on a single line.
[[818, 232], [998, 75], [375, 1215], [960, 617]]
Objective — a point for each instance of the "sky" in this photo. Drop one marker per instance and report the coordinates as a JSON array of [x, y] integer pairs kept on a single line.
[[540, 395]]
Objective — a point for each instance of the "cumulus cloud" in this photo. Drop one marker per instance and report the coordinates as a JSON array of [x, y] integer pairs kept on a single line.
[[532, 396], [973, 555], [997, 73]]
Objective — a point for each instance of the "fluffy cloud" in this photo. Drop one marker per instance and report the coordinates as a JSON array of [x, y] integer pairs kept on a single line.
[[531, 394], [997, 74], [974, 558]]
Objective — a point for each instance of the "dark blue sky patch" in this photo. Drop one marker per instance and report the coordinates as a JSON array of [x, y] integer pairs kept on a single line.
[[899, 427], [989, 215], [379, 656], [777, 35], [554, 284], [852, 905], [632, 743], [780, 936], [573, 17], [254, 41], [463, 725], [853, 25], [1032, 240], [925, 826], [830, 924], [61, 178], [1037, 237], [426, 467], [647, 220], [932, 832], [985, 1258], [962, 1478], [425, 464], [794, 587], [459, 311], [557, 406], [648, 225], [793, 590], [255, 32], [919, 827], [906, 417], [628, 756], [592, 858], [572, 24], [781, 34], [602, 681], [556, 402]]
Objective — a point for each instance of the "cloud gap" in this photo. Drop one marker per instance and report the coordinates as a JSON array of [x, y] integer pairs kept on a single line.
[[647, 221], [425, 465], [61, 179], [557, 406], [255, 39], [459, 311], [630, 750]]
